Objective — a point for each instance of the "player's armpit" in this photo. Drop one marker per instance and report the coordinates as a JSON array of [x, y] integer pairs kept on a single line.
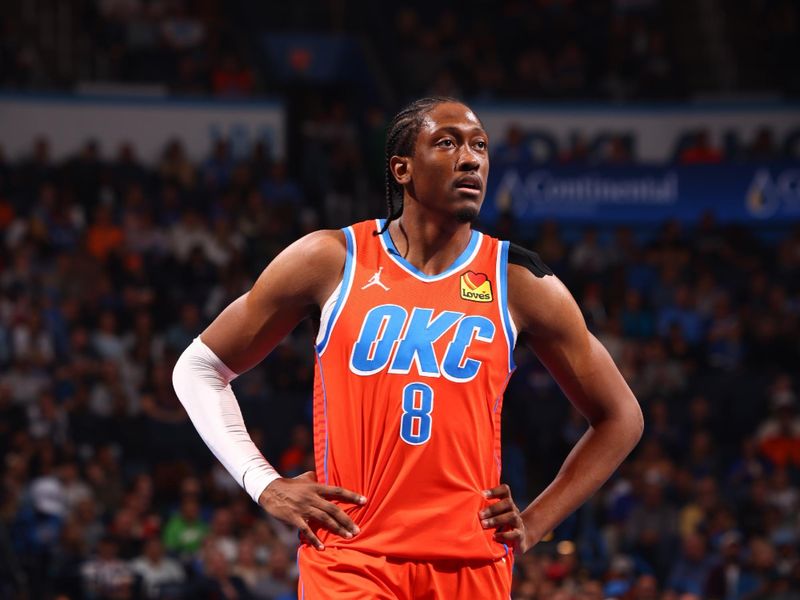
[[294, 284]]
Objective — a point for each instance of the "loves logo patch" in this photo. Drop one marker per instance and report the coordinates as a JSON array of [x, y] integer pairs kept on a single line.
[[476, 287]]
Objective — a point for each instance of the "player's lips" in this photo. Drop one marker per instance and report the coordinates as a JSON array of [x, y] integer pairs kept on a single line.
[[469, 183]]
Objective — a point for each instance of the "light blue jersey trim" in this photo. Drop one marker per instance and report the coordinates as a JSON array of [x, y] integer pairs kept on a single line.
[[502, 284], [347, 283], [459, 263]]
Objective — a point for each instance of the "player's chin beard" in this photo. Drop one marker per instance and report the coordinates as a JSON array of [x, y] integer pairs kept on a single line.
[[467, 214]]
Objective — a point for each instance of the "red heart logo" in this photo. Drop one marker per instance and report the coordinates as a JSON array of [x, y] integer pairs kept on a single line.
[[475, 280]]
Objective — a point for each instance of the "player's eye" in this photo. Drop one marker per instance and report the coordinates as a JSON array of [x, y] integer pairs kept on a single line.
[[446, 143], [481, 145]]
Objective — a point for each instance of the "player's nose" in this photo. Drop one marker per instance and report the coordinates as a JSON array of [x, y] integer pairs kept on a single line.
[[468, 159]]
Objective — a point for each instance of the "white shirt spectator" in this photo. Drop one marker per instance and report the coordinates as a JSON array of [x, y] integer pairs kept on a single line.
[[156, 569]]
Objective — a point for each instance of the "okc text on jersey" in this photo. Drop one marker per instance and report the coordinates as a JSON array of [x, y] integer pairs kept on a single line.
[[390, 337]]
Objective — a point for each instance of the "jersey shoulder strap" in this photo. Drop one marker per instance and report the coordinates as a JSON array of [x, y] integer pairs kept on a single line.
[[517, 255]]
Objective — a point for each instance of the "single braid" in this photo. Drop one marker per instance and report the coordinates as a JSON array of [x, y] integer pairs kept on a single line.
[[400, 141]]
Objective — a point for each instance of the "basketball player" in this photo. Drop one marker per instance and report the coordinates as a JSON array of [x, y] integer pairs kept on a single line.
[[418, 315]]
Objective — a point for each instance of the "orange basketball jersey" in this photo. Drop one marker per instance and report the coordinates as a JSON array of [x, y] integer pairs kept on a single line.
[[410, 375]]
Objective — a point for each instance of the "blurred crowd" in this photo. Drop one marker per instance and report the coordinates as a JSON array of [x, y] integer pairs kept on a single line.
[[555, 49], [186, 47], [704, 324], [109, 268], [548, 49]]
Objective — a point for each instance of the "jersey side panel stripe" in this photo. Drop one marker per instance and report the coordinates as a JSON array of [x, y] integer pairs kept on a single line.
[[505, 315], [347, 281]]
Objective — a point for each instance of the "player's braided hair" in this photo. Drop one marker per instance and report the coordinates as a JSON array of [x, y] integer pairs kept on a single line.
[[400, 140]]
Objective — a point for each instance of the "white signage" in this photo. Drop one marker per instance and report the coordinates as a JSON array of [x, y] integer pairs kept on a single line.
[[148, 123], [654, 131]]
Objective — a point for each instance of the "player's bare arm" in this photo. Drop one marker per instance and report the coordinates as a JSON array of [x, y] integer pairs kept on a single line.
[[294, 286], [550, 322]]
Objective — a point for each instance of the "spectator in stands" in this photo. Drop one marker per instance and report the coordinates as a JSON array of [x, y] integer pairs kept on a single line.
[[295, 459], [784, 497], [185, 531], [682, 312], [650, 530], [689, 574], [281, 573], [161, 575], [37, 169], [279, 189], [217, 581], [779, 435], [620, 576], [231, 78], [637, 321], [217, 170], [127, 172], [589, 256], [730, 578], [175, 166], [220, 534], [105, 575], [76, 491], [248, 567], [700, 151], [512, 150], [103, 236], [762, 148], [533, 74], [645, 588]]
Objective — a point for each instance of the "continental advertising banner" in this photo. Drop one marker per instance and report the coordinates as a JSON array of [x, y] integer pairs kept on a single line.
[[734, 193]]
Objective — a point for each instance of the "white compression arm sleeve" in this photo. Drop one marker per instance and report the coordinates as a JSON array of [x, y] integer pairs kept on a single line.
[[203, 384]]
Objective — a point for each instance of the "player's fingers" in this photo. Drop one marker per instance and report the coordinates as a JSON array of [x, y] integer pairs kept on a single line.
[[329, 523], [509, 519], [341, 517], [501, 491], [308, 534], [497, 508], [332, 491], [514, 537]]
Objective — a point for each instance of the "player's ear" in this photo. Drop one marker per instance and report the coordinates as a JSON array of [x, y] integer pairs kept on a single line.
[[400, 167]]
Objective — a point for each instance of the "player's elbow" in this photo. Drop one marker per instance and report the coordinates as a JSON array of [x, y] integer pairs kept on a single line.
[[181, 375], [624, 423], [634, 422]]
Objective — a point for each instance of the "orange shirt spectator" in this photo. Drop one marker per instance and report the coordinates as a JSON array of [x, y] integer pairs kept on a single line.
[[779, 436], [6, 213], [231, 78], [701, 152], [104, 236]]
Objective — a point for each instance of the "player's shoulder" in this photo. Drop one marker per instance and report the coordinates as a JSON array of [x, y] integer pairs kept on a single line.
[[530, 277], [527, 259], [322, 241], [317, 252], [309, 268], [536, 297]]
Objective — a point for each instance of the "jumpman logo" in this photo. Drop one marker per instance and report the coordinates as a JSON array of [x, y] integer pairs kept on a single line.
[[375, 280]]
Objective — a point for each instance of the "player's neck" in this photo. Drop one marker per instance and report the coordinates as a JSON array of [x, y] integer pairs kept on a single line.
[[428, 244]]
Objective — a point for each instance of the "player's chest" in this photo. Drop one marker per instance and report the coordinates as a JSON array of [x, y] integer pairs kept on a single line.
[[446, 329]]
